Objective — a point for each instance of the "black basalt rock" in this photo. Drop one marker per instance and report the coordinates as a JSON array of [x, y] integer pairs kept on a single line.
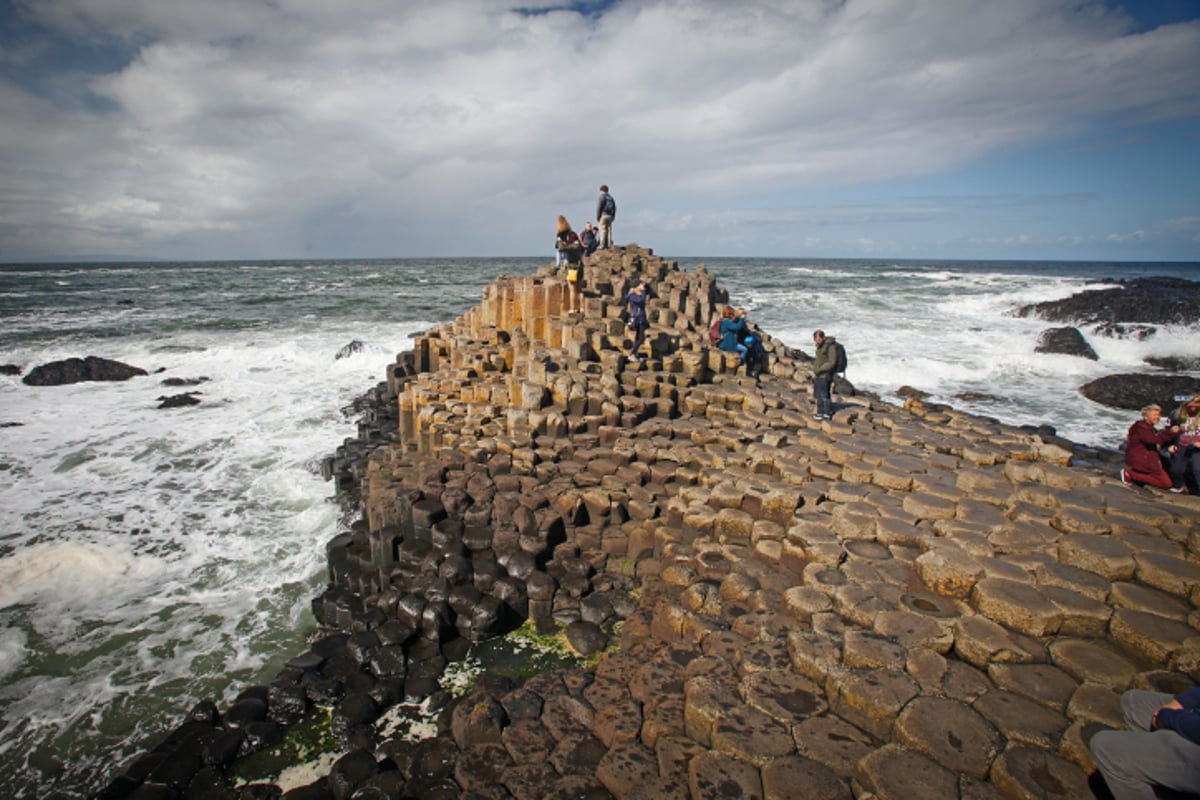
[[10, 369], [1133, 391], [178, 400], [1154, 301], [1065, 341], [77, 370]]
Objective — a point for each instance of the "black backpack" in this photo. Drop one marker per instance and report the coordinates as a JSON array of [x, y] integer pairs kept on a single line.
[[610, 206], [839, 358]]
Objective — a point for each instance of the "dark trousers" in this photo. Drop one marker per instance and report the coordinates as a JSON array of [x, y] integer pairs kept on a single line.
[[821, 386], [639, 337]]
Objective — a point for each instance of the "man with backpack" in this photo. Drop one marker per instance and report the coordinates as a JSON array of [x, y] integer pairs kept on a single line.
[[830, 360], [606, 212]]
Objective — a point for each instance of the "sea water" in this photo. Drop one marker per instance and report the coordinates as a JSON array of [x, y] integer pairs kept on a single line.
[[151, 558]]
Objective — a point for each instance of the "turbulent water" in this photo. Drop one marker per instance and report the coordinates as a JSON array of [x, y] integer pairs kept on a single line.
[[150, 558]]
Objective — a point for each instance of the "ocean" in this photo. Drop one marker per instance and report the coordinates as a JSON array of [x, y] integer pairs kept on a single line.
[[150, 558]]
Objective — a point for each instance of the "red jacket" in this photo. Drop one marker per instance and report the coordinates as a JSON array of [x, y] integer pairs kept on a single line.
[[1141, 446]]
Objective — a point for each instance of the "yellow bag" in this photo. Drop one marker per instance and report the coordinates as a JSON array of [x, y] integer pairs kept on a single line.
[[572, 275]]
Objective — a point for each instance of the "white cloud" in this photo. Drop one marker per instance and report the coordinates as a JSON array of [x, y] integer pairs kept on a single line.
[[370, 127]]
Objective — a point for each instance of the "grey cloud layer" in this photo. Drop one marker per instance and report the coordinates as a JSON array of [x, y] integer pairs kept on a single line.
[[374, 127]]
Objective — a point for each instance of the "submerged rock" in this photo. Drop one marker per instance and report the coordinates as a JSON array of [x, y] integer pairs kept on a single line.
[[351, 349], [10, 369], [1134, 391], [1065, 341], [78, 370], [178, 400]]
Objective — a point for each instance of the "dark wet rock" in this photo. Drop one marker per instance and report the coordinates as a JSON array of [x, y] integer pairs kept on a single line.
[[77, 370], [318, 790], [259, 736], [1157, 300], [246, 710], [10, 369], [586, 637], [1132, 391], [1065, 341], [351, 771], [977, 397], [178, 400], [174, 382], [354, 348], [1175, 363], [209, 784]]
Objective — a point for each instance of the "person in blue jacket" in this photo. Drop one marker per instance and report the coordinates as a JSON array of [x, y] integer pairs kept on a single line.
[[636, 298], [1161, 747], [732, 325]]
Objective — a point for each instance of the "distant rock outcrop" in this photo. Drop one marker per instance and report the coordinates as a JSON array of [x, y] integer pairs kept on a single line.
[[353, 348], [77, 370], [9, 369], [1152, 301], [179, 400], [1065, 341], [1133, 391]]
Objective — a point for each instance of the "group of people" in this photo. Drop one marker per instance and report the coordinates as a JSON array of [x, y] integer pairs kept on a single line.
[[571, 247], [737, 335], [1168, 458]]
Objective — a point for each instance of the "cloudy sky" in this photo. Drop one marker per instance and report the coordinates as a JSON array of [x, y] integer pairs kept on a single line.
[[199, 129]]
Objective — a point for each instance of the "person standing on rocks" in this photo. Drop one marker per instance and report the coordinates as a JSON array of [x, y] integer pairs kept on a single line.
[[636, 298], [563, 239], [1161, 747], [824, 366], [606, 212], [1144, 446]]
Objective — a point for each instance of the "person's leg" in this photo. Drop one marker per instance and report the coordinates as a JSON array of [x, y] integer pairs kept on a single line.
[[1134, 762], [1158, 479], [1191, 473], [741, 352], [1139, 706], [1177, 465], [638, 339], [606, 232], [821, 393]]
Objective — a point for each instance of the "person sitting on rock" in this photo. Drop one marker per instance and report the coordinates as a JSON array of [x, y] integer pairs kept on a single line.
[[1184, 466], [1161, 747], [732, 324], [1143, 450], [588, 239]]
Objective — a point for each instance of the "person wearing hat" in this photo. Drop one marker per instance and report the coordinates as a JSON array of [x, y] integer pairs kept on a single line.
[[1144, 445], [1184, 466]]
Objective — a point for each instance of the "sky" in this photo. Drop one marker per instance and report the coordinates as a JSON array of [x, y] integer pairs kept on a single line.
[[914, 129]]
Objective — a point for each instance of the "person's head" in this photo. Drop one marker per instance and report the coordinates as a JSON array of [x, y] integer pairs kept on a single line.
[[587, 226], [818, 336], [741, 312], [604, 187], [728, 312], [1152, 413], [563, 225], [1192, 406]]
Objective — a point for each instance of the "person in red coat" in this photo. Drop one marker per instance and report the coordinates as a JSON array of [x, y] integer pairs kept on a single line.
[[1143, 447]]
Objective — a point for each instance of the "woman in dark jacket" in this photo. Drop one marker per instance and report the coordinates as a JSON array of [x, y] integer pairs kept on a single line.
[[636, 298], [1143, 459]]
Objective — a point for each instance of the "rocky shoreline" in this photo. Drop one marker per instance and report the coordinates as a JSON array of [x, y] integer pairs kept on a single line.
[[895, 603]]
